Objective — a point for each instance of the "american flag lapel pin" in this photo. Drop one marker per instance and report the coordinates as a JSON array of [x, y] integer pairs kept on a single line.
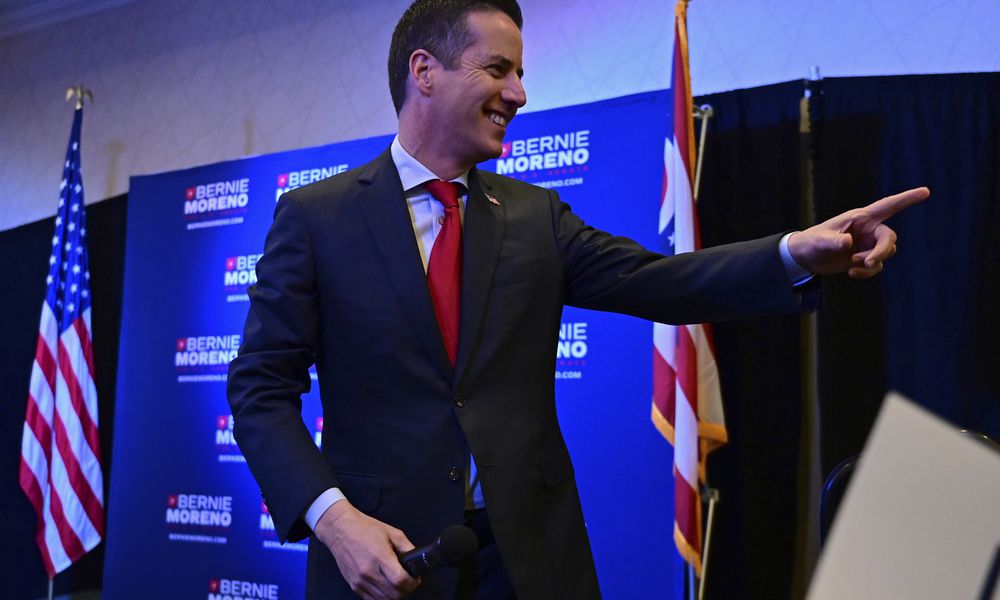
[[493, 200]]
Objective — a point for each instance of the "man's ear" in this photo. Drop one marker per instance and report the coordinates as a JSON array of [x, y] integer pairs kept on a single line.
[[422, 67]]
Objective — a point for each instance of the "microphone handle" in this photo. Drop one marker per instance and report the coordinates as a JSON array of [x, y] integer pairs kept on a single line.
[[420, 561]]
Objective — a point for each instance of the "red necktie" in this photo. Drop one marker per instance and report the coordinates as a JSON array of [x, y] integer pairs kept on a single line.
[[444, 268]]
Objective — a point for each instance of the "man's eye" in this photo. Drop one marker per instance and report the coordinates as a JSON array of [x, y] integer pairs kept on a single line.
[[495, 70]]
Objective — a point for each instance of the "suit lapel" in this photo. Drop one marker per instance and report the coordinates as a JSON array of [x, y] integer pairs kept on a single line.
[[384, 207], [482, 236]]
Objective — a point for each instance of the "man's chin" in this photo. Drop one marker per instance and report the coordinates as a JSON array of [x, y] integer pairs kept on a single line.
[[489, 153]]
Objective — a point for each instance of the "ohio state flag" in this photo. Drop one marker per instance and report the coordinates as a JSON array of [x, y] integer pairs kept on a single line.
[[687, 402]]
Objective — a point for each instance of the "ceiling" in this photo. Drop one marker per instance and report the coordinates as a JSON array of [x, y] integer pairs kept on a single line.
[[20, 16]]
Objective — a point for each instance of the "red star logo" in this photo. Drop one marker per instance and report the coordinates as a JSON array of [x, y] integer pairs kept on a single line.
[[213, 586], [230, 263], [181, 344], [189, 194], [506, 150], [319, 423], [172, 501], [222, 421], [263, 508], [283, 180]]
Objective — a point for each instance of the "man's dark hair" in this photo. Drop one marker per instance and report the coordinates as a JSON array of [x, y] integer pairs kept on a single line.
[[441, 28]]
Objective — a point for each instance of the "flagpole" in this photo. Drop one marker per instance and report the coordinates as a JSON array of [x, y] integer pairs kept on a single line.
[[807, 542], [703, 112], [713, 499]]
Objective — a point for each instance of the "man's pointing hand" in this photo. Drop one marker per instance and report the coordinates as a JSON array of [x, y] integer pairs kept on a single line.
[[857, 241]]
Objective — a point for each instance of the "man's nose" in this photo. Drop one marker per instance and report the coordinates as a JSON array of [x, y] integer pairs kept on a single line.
[[513, 92]]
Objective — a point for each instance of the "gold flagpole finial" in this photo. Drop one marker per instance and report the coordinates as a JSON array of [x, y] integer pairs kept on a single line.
[[79, 92]]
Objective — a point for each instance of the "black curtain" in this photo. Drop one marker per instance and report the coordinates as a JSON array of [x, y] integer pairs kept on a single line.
[[750, 185], [928, 326], [24, 254]]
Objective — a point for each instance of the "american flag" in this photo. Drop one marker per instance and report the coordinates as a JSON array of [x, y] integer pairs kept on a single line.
[[60, 467], [687, 402]]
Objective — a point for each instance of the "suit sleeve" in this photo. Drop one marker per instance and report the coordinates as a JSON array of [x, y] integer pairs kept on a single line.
[[616, 274], [271, 372]]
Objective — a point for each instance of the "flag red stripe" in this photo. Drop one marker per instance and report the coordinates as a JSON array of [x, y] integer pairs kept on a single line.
[[34, 492], [76, 398], [43, 355], [88, 499], [707, 328], [85, 345], [39, 427], [663, 189], [686, 511], [26, 477], [687, 367], [682, 112], [70, 541], [664, 390]]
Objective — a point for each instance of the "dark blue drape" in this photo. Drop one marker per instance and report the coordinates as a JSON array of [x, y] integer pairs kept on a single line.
[[750, 187], [930, 325]]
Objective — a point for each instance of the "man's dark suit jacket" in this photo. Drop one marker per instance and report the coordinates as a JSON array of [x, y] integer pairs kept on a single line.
[[341, 284]]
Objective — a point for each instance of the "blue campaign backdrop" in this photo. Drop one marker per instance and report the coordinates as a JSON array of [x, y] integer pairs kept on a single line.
[[185, 517]]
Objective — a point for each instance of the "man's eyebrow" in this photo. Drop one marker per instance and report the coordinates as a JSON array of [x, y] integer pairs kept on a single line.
[[505, 62]]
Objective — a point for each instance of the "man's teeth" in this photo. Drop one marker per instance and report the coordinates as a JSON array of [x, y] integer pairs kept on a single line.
[[499, 120]]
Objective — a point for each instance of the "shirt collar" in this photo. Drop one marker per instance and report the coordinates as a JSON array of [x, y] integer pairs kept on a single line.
[[412, 173]]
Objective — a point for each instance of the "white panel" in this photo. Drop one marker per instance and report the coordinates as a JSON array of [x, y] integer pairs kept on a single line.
[[920, 517]]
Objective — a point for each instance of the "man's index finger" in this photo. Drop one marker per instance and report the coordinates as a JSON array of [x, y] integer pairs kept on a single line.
[[890, 205]]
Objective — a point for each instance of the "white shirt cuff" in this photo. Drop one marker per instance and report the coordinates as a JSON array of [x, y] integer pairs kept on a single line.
[[319, 506], [796, 274]]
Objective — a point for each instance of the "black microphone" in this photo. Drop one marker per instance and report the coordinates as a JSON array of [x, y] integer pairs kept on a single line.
[[455, 545]]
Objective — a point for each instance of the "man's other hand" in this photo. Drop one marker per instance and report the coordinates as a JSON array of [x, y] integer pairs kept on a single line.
[[856, 241], [366, 552]]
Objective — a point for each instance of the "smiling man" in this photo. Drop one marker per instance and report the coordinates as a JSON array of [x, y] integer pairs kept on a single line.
[[429, 294]]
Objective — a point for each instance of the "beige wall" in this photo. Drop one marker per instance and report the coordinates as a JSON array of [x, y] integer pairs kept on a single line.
[[180, 83]]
